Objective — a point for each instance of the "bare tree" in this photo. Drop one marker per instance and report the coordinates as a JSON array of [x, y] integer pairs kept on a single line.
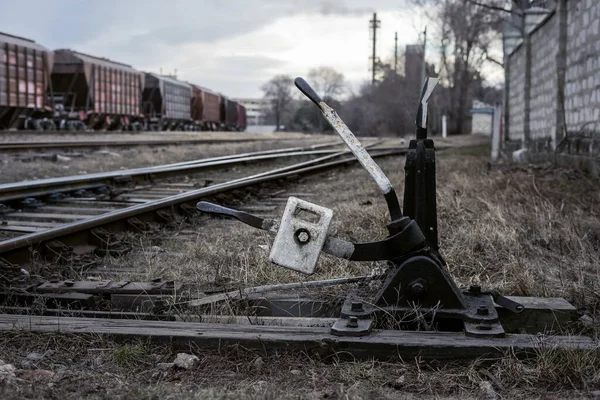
[[327, 82], [279, 91], [466, 32], [383, 109]]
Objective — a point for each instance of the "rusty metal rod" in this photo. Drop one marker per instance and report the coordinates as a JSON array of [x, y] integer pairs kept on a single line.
[[236, 294]]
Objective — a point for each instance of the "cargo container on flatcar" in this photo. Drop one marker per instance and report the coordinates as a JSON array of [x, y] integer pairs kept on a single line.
[[102, 93], [241, 117], [167, 103], [206, 106], [24, 76]]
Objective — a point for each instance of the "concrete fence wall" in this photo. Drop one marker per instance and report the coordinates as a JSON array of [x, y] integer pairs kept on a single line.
[[582, 91], [516, 93], [553, 80], [543, 101]]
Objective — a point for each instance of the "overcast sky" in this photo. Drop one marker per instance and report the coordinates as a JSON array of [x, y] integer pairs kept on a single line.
[[232, 46]]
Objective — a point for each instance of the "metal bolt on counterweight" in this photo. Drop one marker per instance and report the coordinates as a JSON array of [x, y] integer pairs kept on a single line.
[[302, 235], [352, 322]]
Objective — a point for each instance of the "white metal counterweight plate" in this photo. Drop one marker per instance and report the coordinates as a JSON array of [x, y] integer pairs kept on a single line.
[[301, 236]]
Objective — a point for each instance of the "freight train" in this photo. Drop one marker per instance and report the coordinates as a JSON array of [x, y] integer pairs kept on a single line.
[[68, 90]]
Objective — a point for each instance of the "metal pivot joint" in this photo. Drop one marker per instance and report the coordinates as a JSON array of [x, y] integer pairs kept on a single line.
[[417, 286]]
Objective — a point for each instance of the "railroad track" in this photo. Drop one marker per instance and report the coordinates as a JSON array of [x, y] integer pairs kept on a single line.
[[142, 176], [68, 226], [80, 214], [164, 310], [26, 146]]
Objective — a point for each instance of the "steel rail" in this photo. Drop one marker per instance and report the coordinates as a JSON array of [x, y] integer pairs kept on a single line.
[[41, 187], [17, 250], [24, 146]]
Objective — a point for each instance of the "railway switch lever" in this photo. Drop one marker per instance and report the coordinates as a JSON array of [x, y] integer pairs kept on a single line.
[[417, 284]]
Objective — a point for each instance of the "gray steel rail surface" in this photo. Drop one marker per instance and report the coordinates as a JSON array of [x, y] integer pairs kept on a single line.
[[24, 146], [19, 250], [42, 187]]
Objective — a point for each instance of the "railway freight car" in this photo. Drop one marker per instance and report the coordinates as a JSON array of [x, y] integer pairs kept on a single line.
[[206, 108], [228, 114], [167, 103], [24, 77], [95, 92], [241, 117]]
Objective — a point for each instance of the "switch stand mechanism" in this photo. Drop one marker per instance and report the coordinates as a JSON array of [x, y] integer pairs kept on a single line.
[[417, 292]]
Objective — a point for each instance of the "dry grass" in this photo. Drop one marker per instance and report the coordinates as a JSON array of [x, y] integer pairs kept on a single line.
[[522, 230], [93, 367]]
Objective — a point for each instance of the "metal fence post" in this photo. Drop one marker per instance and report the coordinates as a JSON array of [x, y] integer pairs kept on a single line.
[[496, 132]]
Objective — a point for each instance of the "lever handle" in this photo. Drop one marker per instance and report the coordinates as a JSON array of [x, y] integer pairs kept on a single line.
[[356, 147], [428, 87], [242, 216], [308, 91], [392, 247]]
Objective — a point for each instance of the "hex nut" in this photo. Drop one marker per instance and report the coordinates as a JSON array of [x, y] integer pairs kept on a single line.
[[482, 310], [302, 236], [352, 322], [418, 287]]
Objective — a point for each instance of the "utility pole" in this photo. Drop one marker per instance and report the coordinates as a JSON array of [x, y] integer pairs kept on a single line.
[[396, 52], [374, 24]]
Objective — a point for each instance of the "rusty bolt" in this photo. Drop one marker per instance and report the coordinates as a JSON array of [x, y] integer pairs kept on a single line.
[[482, 310], [302, 235], [352, 322], [356, 306]]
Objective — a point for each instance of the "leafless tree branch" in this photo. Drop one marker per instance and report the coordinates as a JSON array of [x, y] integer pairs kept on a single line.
[[491, 6]]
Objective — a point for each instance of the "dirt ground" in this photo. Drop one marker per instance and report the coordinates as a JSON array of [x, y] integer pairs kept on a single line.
[[530, 230]]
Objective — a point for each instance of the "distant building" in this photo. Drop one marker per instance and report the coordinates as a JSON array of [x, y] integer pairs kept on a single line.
[[256, 110], [413, 63], [483, 115]]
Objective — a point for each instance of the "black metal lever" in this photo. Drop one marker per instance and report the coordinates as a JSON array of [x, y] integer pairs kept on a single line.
[[242, 216], [408, 239]]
